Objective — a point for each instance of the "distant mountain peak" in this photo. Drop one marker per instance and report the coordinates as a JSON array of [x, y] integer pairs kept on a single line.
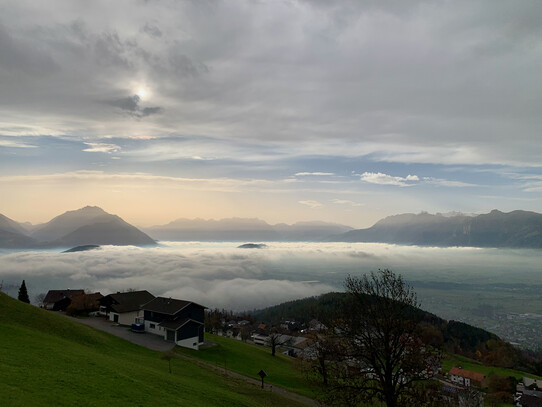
[[91, 210], [494, 229], [89, 225]]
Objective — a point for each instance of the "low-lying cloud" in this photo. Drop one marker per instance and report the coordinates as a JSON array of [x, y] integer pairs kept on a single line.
[[223, 278], [220, 275]]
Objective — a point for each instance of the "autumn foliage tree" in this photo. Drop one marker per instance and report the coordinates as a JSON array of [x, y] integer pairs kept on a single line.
[[82, 304]]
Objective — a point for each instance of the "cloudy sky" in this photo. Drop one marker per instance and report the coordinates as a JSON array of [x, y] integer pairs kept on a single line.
[[283, 110]]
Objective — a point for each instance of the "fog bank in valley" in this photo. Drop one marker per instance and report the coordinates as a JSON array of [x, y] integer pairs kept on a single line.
[[221, 275]]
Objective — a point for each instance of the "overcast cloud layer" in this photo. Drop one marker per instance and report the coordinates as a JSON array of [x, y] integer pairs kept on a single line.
[[431, 104]]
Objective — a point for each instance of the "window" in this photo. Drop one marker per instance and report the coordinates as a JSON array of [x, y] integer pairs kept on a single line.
[[152, 326]]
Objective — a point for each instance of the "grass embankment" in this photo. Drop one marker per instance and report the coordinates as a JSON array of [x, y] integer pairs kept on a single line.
[[46, 359], [249, 359], [456, 360]]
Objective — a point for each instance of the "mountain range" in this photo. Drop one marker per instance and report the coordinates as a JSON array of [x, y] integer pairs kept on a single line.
[[93, 226], [495, 229], [244, 229]]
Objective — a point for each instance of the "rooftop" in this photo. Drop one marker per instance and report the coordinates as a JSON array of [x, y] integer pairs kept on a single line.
[[168, 306], [468, 374]]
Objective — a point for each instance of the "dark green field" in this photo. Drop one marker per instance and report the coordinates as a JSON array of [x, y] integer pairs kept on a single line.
[[48, 360], [249, 359]]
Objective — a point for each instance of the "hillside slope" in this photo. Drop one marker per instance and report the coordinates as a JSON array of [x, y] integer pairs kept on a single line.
[[454, 336], [48, 359], [13, 235]]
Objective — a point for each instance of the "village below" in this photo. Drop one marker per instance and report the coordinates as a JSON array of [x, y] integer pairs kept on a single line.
[[311, 359]]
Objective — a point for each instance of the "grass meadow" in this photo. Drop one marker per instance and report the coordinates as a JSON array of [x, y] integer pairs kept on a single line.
[[46, 359]]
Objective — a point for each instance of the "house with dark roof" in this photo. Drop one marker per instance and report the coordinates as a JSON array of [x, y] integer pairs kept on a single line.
[[178, 321], [124, 308], [59, 300]]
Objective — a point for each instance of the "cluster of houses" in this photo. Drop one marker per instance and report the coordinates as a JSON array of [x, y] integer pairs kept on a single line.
[[528, 391], [178, 321], [299, 345]]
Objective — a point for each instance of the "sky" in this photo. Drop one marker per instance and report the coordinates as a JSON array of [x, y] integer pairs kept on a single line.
[[341, 111]]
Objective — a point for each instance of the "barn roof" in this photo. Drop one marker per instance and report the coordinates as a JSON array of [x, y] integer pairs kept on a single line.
[[130, 301], [169, 306], [57, 295]]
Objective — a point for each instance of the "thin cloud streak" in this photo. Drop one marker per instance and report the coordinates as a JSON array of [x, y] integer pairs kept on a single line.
[[385, 179]]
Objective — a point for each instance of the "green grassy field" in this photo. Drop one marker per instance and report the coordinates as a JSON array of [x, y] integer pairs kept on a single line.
[[46, 359], [249, 359]]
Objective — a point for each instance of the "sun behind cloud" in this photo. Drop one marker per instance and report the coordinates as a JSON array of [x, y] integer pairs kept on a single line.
[[142, 93]]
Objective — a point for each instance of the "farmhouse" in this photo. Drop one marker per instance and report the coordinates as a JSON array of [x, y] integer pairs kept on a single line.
[[124, 308], [177, 321], [59, 300], [467, 378]]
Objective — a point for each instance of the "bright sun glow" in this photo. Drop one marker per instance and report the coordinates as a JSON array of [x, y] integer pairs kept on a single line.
[[142, 93]]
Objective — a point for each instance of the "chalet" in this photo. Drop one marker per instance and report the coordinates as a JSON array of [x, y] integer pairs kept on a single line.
[[293, 345], [59, 300], [467, 378], [315, 325], [177, 321], [260, 339], [124, 308], [234, 333]]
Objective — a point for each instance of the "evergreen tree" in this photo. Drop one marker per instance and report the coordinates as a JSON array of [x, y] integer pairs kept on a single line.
[[23, 294]]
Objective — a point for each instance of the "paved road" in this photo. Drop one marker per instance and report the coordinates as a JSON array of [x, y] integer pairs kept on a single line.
[[157, 343], [147, 340]]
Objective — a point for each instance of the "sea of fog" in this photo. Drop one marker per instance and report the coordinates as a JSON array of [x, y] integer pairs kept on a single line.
[[222, 275]]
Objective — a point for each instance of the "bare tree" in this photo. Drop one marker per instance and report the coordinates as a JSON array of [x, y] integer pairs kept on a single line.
[[245, 333], [324, 354], [38, 299], [275, 339], [382, 355]]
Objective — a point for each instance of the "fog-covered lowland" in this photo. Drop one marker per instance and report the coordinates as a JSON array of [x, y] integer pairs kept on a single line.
[[491, 288]]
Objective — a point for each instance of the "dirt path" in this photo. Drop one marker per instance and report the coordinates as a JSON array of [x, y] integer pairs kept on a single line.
[[275, 389], [157, 343]]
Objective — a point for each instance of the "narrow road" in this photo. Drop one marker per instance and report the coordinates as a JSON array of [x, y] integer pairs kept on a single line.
[[154, 342]]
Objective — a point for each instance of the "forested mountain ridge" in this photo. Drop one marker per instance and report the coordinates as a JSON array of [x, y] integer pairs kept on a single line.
[[453, 337]]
